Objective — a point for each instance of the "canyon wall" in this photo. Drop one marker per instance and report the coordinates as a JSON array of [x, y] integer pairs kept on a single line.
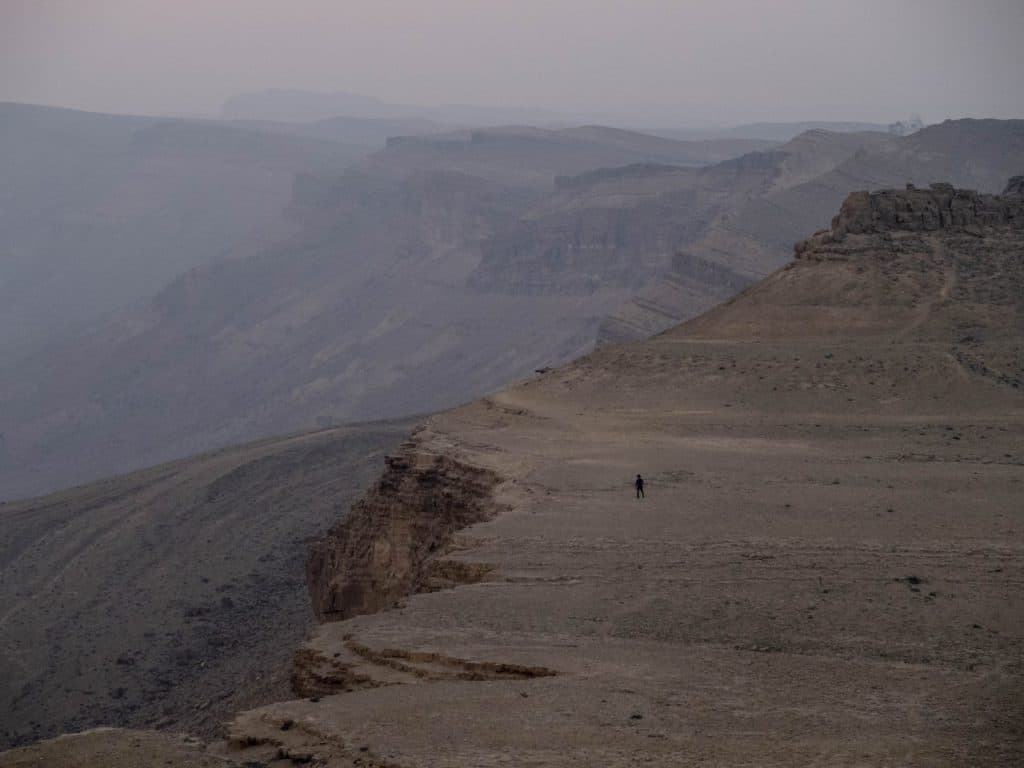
[[383, 550]]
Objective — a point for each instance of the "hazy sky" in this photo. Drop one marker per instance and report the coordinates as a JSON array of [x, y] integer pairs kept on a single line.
[[717, 60]]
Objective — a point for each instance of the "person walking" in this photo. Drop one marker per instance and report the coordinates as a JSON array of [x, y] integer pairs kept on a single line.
[[639, 484]]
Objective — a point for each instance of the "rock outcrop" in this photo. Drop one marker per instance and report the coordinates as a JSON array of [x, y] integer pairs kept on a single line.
[[941, 206], [691, 284], [383, 550]]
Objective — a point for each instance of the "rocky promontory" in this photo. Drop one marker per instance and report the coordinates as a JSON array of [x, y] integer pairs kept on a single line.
[[386, 547], [940, 207]]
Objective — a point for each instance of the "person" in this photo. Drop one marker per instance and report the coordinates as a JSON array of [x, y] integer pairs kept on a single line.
[[639, 487]]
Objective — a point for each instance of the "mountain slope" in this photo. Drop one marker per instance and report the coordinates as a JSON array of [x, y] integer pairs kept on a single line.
[[372, 133], [519, 155], [171, 596]]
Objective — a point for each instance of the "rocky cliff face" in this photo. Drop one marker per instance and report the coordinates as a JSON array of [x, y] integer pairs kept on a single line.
[[856, 416], [940, 209], [618, 229], [436, 271], [592, 250], [385, 548], [756, 234]]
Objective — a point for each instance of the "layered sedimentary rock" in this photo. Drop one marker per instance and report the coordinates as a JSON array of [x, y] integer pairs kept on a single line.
[[928, 210], [382, 550]]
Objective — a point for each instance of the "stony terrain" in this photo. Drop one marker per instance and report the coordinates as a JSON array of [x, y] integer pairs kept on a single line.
[[171, 597], [825, 568]]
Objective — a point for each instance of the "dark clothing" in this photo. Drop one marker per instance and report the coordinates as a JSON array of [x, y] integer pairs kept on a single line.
[[639, 487]]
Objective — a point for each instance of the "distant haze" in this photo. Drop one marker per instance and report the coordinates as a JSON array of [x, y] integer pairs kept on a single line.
[[654, 61]]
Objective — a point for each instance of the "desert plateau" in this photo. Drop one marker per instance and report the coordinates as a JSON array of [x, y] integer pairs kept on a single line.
[[511, 385]]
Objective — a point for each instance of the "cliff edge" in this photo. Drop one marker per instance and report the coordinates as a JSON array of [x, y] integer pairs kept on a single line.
[[385, 547]]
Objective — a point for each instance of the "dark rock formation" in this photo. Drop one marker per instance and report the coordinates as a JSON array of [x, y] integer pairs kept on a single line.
[[923, 210]]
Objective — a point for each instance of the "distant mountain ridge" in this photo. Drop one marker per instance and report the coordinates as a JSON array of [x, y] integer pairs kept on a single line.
[[302, 106], [780, 132], [294, 105]]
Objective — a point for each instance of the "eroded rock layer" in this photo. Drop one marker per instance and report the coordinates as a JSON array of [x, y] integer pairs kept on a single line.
[[382, 550], [927, 210]]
